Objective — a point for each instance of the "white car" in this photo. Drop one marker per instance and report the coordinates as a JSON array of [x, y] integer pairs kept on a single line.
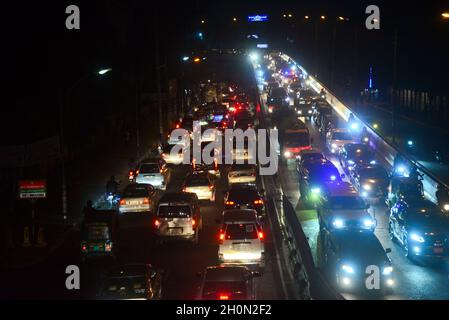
[[241, 242], [242, 173], [137, 198], [343, 208], [337, 138], [154, 173], [200, 184]]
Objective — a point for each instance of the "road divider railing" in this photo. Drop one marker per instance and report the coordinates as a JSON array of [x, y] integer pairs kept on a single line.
[[385, 150]]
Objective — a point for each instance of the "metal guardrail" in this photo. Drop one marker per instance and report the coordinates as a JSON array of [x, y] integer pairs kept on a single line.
[[386, 149]]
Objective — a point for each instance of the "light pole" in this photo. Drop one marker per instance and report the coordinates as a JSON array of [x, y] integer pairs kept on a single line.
[[64, 97]]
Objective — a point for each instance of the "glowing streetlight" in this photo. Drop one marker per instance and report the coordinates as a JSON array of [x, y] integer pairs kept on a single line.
[[306, 17], [203, 22], [375, 126], [445, 15], [284, 15], [341, 18], [323, 17], [185, 58], [234, 19], [290, 15], [196, 60], [104, 71]]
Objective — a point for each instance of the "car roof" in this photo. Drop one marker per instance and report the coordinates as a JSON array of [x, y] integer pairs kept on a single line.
[[177, 197], [359, 244], [336, 189], [239, 215], [234, 273], [128, 270]]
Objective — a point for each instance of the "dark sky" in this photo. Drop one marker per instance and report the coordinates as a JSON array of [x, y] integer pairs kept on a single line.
[[39, 57]]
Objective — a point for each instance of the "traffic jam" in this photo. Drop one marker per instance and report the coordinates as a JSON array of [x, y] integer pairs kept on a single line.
[[354, 197], [186, 202]]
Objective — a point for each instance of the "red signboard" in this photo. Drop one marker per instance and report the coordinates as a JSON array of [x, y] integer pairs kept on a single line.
[[32, 189]]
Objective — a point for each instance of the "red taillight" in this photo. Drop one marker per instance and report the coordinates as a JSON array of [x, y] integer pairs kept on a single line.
[[84, 248], [137, 172], [177, 126], [146, 201], [222, 236], [157, 223], [193, 222], [122, 202], [261, 235], [211, 187], [259, 201], [230, 203], [224, 297]]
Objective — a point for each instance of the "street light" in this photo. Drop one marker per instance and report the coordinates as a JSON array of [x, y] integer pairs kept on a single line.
[[323, 17], [290, 15], [445, 15], [306, 17], [341, 18], [234, 19], [203, 22], [104, 71], [185, 58]]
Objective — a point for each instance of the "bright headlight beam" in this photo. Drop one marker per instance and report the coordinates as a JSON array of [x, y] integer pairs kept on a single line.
[[416, 237]]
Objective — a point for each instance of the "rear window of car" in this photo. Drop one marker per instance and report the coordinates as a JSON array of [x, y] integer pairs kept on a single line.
[[149, 168], [342, 202], [174, 211], [124, 286], [213, 289], [97, 232], [197, 182], [135, 193], [241, 231], [341, 136]]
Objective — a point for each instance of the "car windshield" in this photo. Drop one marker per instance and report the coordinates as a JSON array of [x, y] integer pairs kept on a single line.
[[174, 211], [124, 287], [278, 93], [241, 231], [232, 289], [149, 168], [342, 202], [341, 136], [312, 157], [300, 139]]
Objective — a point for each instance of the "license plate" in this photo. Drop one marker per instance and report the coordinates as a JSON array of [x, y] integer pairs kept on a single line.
[[243, 207], [175, 231], [438, 250], [133, 202]]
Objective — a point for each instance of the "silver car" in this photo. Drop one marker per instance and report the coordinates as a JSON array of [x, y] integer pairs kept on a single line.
[[137, 198], [155, 173]]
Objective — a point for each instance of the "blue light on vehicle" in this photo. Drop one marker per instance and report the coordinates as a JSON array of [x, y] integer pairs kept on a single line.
[[364, 194], [368, 223], [401, 169], [185, 58], [351, 162], [348, 269], [372, 162], [410, 143], [258, 18], [354, 126], [333, 178], [338, 223], [416, 237]]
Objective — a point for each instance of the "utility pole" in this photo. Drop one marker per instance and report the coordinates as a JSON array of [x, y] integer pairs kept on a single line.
[[393, 102], [158, 74]]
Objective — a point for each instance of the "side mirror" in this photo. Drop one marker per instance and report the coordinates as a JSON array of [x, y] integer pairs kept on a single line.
[[388, 250]]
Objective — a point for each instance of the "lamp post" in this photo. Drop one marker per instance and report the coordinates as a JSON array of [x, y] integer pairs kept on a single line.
[[64, 97]]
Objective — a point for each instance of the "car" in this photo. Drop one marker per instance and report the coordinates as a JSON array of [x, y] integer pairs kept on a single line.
[[404, 188], [178, 217], [277, 98], [371, 181], [341, 207], [239, 214], [227, 283], [155, 173], [307, 157], [313, 176], [421, 228], [245, 197], [201, 184], [131, 282], [337, 138], [243, 119], [241, 242], [242, 174], [355, 153], [348, 257], [294, 140], [304, 108], [137, 198]]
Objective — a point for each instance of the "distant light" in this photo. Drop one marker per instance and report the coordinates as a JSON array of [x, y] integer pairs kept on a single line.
[[200, 34], [185, 58], [262, 45], [104, 71], [203, 22], [290, 15], [323, 17], [234, 19], [284, 15], [306, 17], [375, 126], [333, 178], [446, 207], [197, 59], [257, 18], [253, 56], [410, 143], [341, 18], [445, 15]]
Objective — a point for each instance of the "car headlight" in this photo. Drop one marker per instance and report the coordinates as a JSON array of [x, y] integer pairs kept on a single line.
[[364, 194], [372, 162], [446, 207], [316, 190], [368, 223], [338, 223], [334, 146], [387, 270], [347, 268], [333, 178], [287, 154], [351, 162], [416, 237], [299, 111], [310, 111], [366, 187]]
